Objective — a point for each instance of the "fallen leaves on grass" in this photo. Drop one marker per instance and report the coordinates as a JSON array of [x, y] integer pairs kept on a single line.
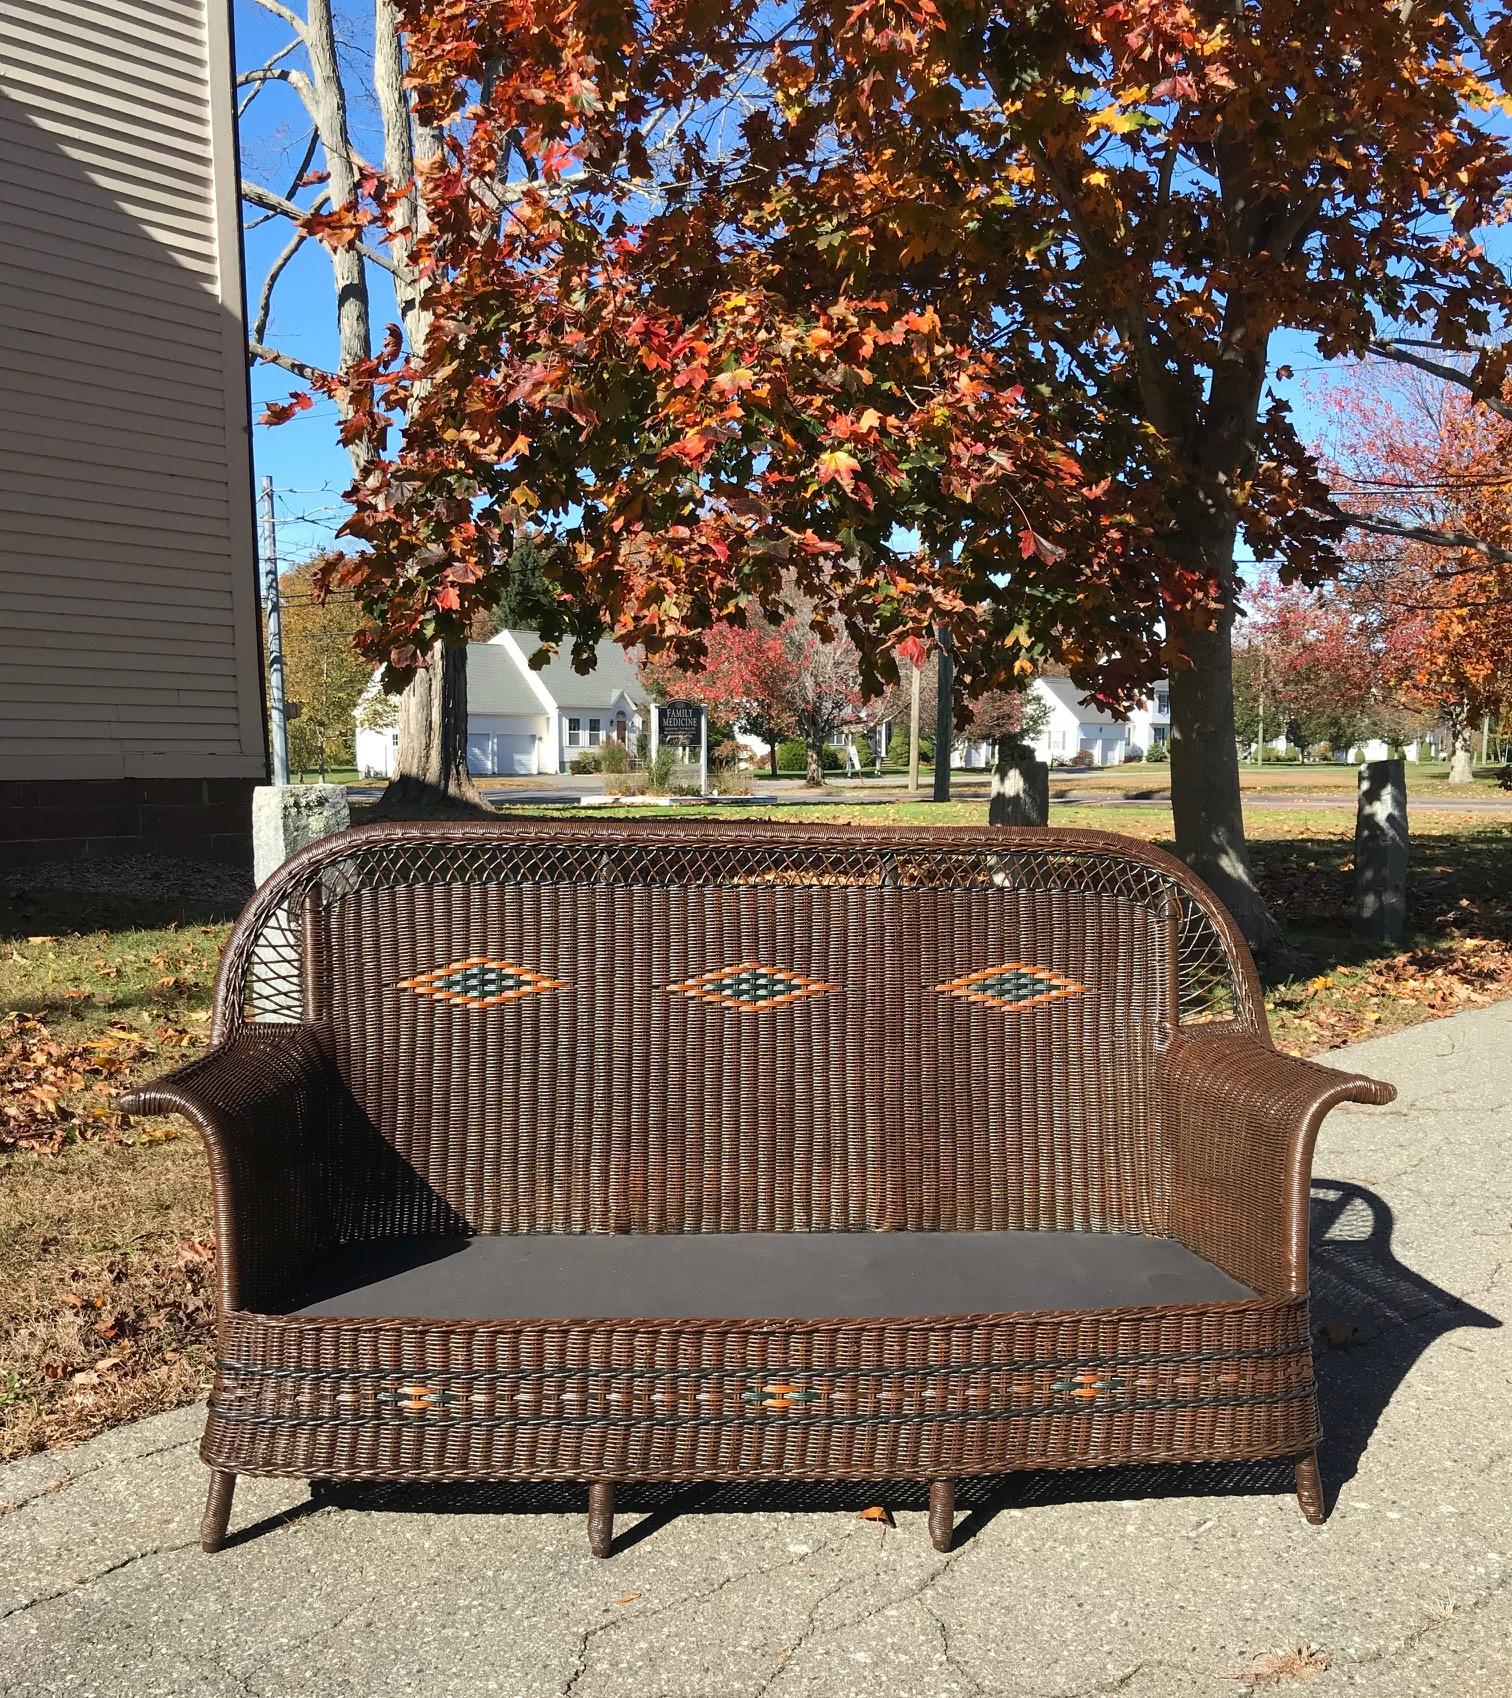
[[1351, 1003], [1297, 1662], [51, 1091]]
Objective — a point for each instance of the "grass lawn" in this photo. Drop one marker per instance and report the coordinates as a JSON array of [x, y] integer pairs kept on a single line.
[[105, 1251], [1153, 778]]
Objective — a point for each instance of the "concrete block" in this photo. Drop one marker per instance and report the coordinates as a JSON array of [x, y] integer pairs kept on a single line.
[[1381, 852], [287, 817]]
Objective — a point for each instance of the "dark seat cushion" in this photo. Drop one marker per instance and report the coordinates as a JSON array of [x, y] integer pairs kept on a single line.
[[760, 1275]]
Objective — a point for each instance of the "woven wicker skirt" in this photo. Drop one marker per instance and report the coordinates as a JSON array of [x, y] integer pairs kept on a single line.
[[717, 1400]]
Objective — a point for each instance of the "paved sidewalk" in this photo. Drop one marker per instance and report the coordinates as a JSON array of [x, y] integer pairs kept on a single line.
[[1161, 1586]]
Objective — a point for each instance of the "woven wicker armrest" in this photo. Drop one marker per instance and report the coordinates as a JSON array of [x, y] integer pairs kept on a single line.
[[268, 1105], [1241, 1120]]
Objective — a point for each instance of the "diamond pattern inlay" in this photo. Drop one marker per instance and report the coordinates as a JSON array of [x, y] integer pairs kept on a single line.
[[750, 985], [1012, 985], [479, 982]]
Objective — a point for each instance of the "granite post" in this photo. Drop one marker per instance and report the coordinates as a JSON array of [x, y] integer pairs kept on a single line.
[[1020, 790], [286, 817], [1381, 852]]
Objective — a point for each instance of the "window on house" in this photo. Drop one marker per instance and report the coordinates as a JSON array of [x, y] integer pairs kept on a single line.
[[595, 732], [1161, 734], [574, 733], [1163, 702]]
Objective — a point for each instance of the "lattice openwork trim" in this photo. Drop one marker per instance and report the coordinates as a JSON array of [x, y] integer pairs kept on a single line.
[[261, 973]]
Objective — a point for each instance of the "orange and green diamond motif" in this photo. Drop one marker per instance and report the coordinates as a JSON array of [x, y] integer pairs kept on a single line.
[[1012, 985], [479, 982], [750, 985]]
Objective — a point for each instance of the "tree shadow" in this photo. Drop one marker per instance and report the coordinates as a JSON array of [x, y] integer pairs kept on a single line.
[[1459, 885], [78, 897], [1381, 1314]]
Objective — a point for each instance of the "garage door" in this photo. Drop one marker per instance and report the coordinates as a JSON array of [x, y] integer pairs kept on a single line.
[[514, 751], [497, 754]]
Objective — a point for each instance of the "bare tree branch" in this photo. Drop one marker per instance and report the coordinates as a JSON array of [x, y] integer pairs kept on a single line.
[[1400, 354], [1425, 533], [283, 207], [301, 368], [265, 298], [292, 19], [260, 78]]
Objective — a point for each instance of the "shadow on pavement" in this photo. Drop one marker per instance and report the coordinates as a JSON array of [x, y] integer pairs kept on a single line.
[[1378, 1313]]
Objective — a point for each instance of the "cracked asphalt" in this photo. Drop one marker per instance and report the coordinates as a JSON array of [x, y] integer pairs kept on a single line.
[[1151, 1583]]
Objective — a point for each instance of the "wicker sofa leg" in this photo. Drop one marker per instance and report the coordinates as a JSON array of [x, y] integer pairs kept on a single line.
[[600, 1517], [1310, 1489], [217, 1514], [941, 1513]]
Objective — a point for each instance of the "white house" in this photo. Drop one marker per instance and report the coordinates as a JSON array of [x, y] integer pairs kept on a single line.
[[520, 720], [1075, 726]]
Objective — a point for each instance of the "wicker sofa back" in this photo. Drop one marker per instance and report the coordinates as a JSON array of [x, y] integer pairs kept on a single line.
[[611, 1029]]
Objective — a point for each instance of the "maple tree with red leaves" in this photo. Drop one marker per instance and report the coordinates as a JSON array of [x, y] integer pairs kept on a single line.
[[1422, 462], [775, 680], [1305, 670], [948, 316]]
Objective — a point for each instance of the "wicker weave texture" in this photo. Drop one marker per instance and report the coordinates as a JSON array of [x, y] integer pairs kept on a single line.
[[820, 1401], [867, 1098]]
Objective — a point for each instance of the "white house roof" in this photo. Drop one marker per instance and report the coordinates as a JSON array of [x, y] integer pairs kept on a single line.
[[612, 674], [495, 684], [1070, 696]]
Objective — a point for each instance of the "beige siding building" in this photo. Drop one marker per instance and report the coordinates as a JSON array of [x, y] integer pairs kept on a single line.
[[130, 676]]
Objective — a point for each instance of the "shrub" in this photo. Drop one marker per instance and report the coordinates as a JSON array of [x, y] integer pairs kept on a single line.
[[1132, 756], [792, 756], [1321, 752], [613, 757], [897, 748], [1158, 752], [726, 755], [585, 761], [730, 781], [659, 770], [625, 784], [1082, 758]]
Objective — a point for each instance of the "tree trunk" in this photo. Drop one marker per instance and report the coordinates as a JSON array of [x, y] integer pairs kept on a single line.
[[431, 775], [814, 772], [772, 753], [1205, 799], [1462, 754]]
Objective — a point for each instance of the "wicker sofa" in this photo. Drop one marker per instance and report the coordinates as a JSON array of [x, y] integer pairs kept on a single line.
[[605, 1152]]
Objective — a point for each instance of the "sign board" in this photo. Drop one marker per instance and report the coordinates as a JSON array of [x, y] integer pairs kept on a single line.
[[685, 724], [682, 721]]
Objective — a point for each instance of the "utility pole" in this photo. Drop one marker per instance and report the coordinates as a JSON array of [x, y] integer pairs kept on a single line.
[[275, 638], [913, 730], [944, 716]]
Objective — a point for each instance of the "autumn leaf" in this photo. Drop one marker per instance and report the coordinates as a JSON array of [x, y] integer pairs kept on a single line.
[[836, 466], [280, 412]]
